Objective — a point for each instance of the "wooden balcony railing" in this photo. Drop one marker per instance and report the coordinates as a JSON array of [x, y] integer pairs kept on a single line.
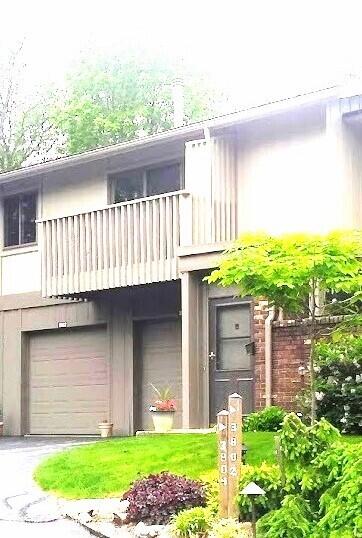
[[121, 245]]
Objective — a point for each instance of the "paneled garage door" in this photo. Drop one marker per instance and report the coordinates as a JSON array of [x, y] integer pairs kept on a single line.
[[160, 364], [68, 381]]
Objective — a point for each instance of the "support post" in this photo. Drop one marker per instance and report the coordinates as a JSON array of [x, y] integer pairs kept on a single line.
[[234, 451], [222, 439]]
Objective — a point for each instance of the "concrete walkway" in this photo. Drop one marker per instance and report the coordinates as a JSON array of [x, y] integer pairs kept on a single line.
[[24, 508]]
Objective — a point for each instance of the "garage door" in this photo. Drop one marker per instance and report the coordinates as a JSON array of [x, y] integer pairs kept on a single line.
[[68, 381], [160, 364]]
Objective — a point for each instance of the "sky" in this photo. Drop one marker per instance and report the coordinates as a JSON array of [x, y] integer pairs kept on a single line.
[[256, 51]]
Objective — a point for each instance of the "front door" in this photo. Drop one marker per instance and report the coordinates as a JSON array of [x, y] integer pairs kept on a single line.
[[231, 360]]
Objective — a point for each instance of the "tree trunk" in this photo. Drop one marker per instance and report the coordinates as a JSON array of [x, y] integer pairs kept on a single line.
[[313, 405]]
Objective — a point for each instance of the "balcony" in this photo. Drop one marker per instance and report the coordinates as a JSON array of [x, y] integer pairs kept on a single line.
[[121, 245]]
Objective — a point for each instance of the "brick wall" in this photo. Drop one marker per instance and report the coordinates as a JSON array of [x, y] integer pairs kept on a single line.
[[290, 350]]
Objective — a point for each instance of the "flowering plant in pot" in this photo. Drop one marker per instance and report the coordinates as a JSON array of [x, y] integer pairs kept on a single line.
[[163, 410]]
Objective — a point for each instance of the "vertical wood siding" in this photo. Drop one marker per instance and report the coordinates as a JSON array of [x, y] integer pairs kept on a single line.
[[122, 245], [209, 215]]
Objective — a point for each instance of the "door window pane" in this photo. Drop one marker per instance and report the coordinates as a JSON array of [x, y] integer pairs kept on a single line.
[[234, 321], [232, 354], [233, 334]]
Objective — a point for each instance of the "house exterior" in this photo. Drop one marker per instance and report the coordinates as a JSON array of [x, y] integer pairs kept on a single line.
[[105, 294]]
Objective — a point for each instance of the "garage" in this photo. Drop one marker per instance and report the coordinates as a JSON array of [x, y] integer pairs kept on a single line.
[[69, 387], [158, 363]]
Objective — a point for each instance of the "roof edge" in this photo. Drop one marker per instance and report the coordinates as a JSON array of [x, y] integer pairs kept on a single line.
[[195, 129]]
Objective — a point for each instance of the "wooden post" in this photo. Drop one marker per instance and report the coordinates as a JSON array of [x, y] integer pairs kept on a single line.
[[234, 451], [222, 439]]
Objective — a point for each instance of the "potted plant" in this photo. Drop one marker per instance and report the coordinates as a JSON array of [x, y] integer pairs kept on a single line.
[[163, 410], [106, 428]]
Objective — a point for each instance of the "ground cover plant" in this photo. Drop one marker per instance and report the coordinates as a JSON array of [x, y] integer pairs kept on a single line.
[[156, 498]]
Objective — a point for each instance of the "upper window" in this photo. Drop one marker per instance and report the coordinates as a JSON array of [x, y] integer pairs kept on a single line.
[[19, 219], [146, 182]]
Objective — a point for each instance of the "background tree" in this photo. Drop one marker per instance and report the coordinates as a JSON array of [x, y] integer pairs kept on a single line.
[[116, 99], [27, 135], [292, 271]]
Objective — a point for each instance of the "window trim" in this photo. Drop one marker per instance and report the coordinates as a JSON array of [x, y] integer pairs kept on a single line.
[[112, 177], [19, 245]]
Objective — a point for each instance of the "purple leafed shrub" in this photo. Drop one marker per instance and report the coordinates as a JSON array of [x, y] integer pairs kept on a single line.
[[156, 498]]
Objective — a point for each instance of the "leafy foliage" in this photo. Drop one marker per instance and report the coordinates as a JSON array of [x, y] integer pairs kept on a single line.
[[299, 445], [320, 475], [267, 477], [268, 419], [291, 270], [211, 481], [195, 521], [345, 491], [156, 498], [117, 99], [293, 520], [27, 134], [339, 381], [282, 269]]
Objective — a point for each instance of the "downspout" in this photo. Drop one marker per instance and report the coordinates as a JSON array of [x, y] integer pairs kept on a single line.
[[268, 327]]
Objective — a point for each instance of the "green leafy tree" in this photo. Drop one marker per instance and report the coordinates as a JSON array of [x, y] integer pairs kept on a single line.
[[27, 135], [292, 272], [117, 99]]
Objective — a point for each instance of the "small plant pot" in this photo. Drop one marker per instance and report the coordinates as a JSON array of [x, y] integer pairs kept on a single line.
[[106, 429], [1, 429], [162, 420]]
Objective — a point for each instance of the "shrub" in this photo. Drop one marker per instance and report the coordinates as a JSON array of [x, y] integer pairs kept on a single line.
[[229, 528], [211, 481], [156, 498], [321, 481], [193, 522], [293, 520], [340, 504], [267, 477], [267, 420], [339, 381]]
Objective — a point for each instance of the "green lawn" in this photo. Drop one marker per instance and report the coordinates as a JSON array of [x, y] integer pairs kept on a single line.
[[107, 468]]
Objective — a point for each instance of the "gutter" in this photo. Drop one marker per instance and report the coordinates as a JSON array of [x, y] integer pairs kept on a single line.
[[268, 356]]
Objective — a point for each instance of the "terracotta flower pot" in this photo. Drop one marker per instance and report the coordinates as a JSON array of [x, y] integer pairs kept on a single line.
[[162, 420], [106, 429]]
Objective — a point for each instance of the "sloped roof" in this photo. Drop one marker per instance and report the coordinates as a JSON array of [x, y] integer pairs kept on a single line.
[[193, 130]]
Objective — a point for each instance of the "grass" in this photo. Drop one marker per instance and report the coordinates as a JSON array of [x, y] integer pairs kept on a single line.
[[107, 468]]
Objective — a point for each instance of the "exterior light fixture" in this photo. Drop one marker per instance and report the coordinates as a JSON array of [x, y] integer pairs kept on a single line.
[[302, 370], [253, 491]]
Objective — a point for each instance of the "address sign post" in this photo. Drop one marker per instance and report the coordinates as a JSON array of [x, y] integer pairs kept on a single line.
[[229, 428]]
